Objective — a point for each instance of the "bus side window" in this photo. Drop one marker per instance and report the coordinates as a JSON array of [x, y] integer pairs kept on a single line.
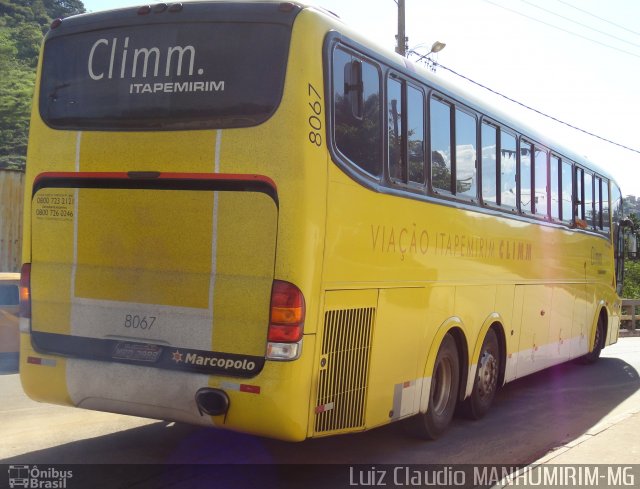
[[465, 162], [526, 154], [490, 182], [606, 216], [567, 192], [356, 111], [555, 187], [579, 195], [588, 199], [415, 135], [405, 106], [598, 203], [541, 183], [396, 131], [440, 120], [508, 170]]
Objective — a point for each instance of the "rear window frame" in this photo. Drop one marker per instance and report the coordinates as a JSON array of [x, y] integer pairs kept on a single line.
[[101, 24]]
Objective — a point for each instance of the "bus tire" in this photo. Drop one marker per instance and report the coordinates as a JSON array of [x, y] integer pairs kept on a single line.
[[443, 394], [598, 343], [485, 384]]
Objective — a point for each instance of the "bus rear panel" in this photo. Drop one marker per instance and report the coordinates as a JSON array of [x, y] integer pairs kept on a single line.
[[159, 174]]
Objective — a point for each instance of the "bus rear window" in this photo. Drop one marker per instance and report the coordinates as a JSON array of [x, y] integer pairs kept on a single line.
[[167, 76]]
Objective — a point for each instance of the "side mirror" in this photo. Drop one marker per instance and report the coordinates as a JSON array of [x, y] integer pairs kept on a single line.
[[354, 88]]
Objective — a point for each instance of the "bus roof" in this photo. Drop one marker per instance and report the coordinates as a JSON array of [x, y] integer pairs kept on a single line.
[[498, 113]]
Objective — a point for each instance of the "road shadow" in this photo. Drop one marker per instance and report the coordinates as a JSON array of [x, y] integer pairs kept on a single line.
[[529, 417]]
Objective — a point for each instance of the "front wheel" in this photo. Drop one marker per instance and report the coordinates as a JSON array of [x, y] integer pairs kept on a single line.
[[598, 344], [443, 394]]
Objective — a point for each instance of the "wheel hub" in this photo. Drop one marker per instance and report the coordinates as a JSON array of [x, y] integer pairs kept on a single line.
[[487, 374]]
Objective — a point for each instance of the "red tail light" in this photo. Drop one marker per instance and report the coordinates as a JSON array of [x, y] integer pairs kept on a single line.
[[287, 313], [25, 291]]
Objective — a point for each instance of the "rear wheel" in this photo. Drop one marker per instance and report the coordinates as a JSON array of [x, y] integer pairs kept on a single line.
[[443, 394], [598, 344], [485, 384]]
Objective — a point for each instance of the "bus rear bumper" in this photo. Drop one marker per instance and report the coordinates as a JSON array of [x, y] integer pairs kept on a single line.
[[274, 404]]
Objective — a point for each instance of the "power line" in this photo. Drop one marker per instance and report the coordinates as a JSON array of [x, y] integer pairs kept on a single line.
[[580, 24], [436, 64], [599, 18], [561, 29]]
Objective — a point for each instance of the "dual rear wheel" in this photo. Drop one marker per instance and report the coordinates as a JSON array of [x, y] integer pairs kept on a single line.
[[445, 387], [445, 383], [486, 382], [443, 394]]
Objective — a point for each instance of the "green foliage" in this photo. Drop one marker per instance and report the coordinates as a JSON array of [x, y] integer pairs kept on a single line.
[[635, 227], [22, 24], [63, 8], [631, 205], [16, 88], [631, 288], [27, 39]]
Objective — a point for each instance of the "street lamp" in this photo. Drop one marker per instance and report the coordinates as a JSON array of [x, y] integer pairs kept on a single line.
[[436, 47]]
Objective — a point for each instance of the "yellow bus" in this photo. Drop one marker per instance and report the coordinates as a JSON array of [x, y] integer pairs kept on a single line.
[[247, 216]]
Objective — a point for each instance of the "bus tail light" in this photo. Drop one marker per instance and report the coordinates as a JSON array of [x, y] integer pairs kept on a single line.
[[25, 291], [286, 323]]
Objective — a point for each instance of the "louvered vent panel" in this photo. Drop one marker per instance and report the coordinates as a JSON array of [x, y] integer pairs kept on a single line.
[[342, 386]]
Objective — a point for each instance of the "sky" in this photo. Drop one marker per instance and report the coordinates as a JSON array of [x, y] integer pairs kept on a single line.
[[576, 60]]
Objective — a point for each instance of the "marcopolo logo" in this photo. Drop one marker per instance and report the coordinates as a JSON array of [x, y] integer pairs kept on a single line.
[[213, 361], [37, 478]]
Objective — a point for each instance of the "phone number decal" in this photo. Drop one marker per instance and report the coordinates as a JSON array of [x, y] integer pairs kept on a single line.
[[54, 206]]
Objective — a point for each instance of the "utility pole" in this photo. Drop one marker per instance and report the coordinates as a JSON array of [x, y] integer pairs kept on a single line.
[[401, 48]]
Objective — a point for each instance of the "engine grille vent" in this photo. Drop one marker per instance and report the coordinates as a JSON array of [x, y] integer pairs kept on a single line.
[[342, 385]]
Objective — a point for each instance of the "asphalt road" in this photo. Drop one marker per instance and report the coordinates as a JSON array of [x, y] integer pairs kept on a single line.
[[530, 417]]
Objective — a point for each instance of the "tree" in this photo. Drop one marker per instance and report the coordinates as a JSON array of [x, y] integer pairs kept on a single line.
[[63, 8], [16, 88], [631, 289], [22, 24]]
